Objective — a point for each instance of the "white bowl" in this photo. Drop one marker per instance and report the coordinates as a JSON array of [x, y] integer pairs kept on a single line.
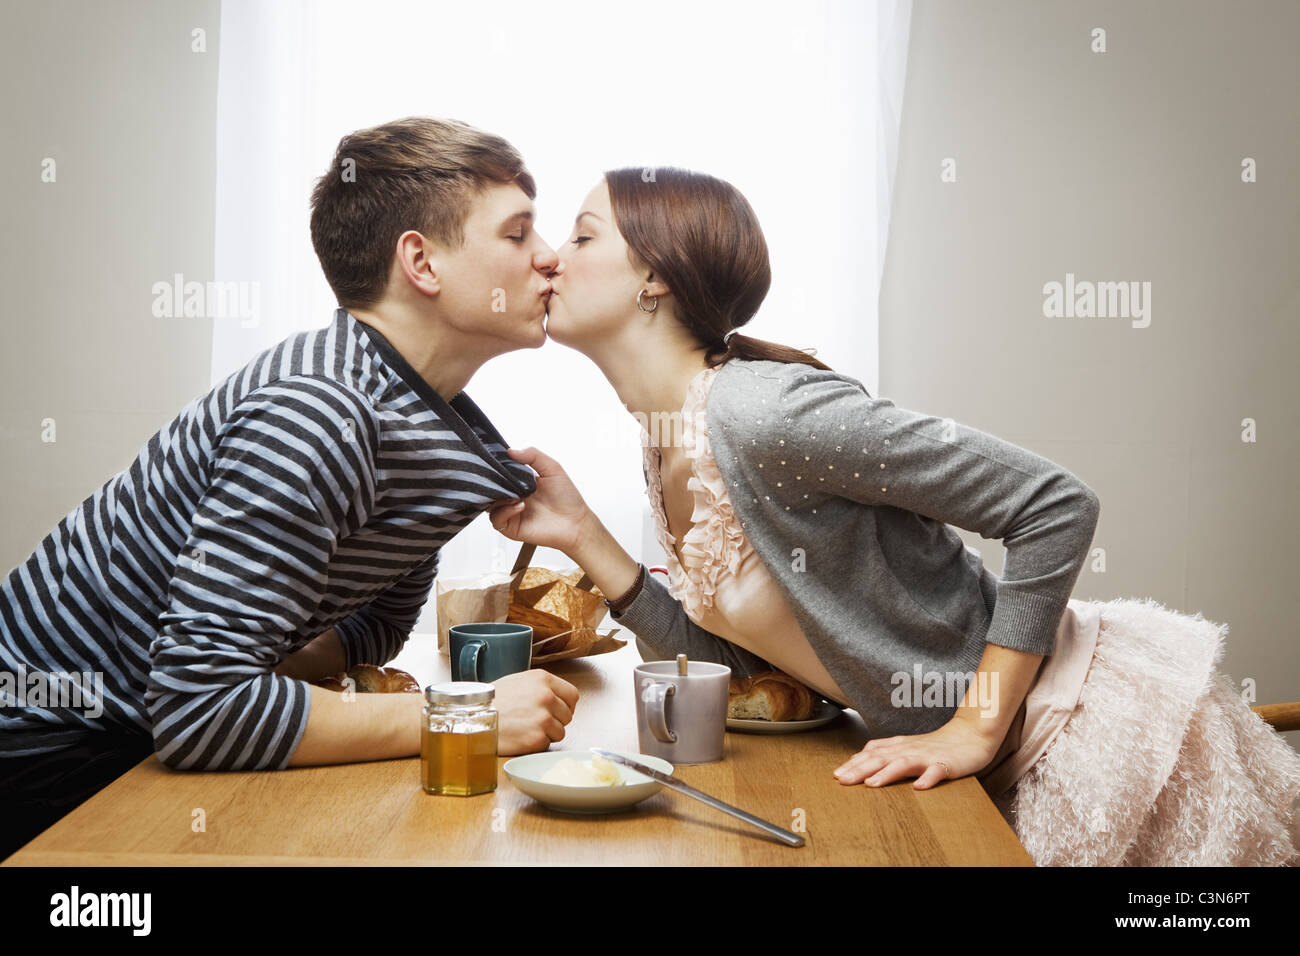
[[526, 772]]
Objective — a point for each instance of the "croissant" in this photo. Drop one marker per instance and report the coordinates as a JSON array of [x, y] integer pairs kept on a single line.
[[770, 695], [370, 679]]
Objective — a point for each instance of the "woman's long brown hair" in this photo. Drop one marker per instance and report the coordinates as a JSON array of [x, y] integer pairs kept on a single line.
[[701, 237]]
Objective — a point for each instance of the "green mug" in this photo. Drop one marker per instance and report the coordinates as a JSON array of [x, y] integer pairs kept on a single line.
[[490, 650]]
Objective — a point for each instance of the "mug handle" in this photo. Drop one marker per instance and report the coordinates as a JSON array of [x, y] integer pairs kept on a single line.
[[469, 660], [654, 694]]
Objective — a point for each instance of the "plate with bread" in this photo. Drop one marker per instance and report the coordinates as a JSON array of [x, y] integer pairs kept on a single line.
[[772, 702]]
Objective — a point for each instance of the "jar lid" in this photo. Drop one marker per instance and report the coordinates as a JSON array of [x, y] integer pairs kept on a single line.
[[460, 693]]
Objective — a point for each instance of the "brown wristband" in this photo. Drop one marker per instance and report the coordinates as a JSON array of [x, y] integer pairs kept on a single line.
[[620, 605]]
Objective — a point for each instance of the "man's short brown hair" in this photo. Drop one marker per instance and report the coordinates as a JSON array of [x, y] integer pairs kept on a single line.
[[414, 173]]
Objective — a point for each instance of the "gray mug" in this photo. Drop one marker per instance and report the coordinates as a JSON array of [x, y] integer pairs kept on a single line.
[[490, 650], [682, 719]]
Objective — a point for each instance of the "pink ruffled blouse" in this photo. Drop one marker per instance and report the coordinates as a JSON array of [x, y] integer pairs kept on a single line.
[[717, 576]]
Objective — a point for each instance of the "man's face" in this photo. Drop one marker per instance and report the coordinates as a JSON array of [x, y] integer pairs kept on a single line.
[[496, 286]]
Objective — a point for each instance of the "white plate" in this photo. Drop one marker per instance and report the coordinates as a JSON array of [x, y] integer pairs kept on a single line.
[[525, 773], [825, 712]]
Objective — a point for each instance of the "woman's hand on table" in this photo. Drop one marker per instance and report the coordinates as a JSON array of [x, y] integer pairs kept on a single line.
[[553, 516], [532, 708], [959, 743]]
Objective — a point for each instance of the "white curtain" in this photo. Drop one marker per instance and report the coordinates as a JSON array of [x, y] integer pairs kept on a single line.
[[798, 106]]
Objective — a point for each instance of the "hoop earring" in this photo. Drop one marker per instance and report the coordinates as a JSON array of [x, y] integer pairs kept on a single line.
[[642, 307]]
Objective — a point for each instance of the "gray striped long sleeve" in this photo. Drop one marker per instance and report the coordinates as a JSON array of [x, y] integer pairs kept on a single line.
[[312, 489], [375, 634], [294, 471]]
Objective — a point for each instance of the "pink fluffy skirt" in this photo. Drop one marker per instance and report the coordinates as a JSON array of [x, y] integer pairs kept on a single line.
[[1162, 762]]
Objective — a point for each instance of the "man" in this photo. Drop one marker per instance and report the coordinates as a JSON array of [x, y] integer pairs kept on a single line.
[[286, 526]]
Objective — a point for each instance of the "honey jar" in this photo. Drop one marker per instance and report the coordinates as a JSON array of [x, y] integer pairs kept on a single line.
[[458, 748]]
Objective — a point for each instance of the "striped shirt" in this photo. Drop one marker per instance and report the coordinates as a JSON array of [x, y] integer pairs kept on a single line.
[[311, 489]]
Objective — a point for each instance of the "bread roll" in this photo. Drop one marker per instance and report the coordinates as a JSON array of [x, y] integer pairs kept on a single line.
[[370, 679], [330, 683], [770, 695]]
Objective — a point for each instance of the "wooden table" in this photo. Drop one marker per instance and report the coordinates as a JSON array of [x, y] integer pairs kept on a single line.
[[376, 812]]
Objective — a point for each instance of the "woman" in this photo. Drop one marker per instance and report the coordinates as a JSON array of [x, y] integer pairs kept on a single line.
[[807, 524]]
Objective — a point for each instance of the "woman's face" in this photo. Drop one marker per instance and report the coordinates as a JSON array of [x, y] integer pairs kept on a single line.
[[595, 286]]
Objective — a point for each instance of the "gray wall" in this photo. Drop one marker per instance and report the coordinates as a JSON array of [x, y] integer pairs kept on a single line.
[[111, 92], [1118, 166]]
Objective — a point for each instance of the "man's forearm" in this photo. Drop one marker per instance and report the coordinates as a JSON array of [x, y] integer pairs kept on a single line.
[[353, 727], [1001, 683], [357, 727], [323, 657]]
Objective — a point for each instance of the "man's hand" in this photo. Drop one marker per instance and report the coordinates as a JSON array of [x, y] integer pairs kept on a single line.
[[532, 709]]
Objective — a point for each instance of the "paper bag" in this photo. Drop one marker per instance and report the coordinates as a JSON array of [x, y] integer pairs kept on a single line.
[[563, 608], [465, 600]]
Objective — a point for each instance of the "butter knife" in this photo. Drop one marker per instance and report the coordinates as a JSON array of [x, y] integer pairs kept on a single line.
[[668, 780]]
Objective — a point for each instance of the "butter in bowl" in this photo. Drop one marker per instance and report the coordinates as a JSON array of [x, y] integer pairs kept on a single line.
[[573, 781]]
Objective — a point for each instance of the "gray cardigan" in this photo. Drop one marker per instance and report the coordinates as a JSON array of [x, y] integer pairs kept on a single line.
[[847, 499]]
